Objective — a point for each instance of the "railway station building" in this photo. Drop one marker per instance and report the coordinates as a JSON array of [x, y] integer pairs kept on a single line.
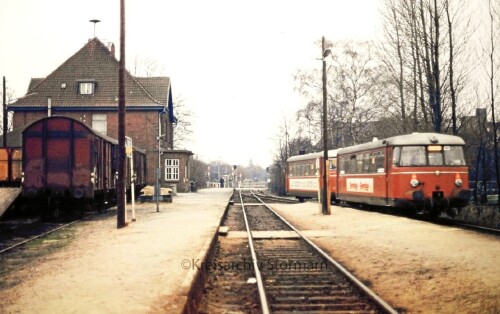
[[85, 87]]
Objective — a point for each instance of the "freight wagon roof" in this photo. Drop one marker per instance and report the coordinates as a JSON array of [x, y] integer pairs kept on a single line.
[[331, 153], [407, 139], [92, 131]]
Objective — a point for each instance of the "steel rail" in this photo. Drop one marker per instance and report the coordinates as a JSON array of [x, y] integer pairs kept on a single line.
[[372, 295], [465, 225], [36, 237], [260, 285]]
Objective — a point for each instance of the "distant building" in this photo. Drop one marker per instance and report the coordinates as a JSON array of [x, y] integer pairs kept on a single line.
[[85, 87]]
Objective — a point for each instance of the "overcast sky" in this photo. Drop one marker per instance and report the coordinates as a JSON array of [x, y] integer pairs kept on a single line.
[[231, 61]]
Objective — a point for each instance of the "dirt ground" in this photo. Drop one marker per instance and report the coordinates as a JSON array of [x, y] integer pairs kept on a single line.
[[416, 266], [136, 269]]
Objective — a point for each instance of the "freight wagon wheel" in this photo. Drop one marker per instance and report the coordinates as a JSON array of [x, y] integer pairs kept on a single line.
[[452, 212], [86, 208], [52, 210]]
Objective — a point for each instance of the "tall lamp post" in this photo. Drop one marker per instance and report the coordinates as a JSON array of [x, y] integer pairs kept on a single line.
[[325, 206]]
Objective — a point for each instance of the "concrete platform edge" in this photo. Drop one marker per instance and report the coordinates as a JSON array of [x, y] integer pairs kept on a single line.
[[192, 287]]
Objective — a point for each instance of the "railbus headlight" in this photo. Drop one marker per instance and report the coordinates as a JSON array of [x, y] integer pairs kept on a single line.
[[414, 183], [458, 180]]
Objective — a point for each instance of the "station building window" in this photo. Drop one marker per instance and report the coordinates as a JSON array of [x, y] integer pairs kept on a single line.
[[86, 88], [172, 169], [99, 122]]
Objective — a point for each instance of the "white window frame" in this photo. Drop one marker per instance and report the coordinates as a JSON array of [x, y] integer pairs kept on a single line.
[[171, 169], [100, 122], [86, 88]]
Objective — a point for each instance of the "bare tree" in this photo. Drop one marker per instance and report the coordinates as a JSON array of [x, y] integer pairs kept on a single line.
[[395, 42], [198, 172], [277, 171], [354, 76], [427, 42], [8, 98], [494, 82], [146, 67], [183, 126]]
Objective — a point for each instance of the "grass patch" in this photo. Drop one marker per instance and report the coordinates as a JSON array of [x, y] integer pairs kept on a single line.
[[483, 215], [25, 255]]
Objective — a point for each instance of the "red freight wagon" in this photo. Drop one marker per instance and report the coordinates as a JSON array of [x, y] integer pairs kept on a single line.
[[67, 163]]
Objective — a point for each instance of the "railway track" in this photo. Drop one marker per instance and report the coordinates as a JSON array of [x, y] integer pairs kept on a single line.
[[14, 234], [276, 199], [465, 225], [442, 221], [283, 271]]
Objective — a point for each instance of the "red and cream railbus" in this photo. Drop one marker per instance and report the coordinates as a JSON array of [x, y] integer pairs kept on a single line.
[[425, 172], [303, 179]]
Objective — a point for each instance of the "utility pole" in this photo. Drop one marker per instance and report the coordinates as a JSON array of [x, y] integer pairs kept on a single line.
[[120, 186], [4, 114], [325, 208]]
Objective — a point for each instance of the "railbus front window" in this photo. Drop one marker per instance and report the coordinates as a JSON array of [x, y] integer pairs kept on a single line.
[[395, 155], [412, 156], [454, 156], [432, 155]]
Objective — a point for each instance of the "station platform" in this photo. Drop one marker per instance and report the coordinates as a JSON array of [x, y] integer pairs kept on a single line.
[[7, 197], [149, 266]]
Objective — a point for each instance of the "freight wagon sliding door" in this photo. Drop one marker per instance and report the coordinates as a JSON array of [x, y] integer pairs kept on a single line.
[[34, 161], [58, 154], [81, 156]]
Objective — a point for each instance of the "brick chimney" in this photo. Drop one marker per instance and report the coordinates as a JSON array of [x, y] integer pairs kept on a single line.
[[112, 49]]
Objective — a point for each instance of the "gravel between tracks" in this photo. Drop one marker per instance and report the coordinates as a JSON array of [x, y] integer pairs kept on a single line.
[[416, 266]]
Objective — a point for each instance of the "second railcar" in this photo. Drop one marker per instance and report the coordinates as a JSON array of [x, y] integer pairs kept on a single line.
[[303, 175]]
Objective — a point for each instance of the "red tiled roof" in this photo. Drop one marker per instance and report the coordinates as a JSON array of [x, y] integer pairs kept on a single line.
[[93, 63]]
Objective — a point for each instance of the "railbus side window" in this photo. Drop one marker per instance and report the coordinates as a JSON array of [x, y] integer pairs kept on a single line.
[[379, 162], [352, 165], [366, 163], [333, 163], [341, 163], [359, 163]]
